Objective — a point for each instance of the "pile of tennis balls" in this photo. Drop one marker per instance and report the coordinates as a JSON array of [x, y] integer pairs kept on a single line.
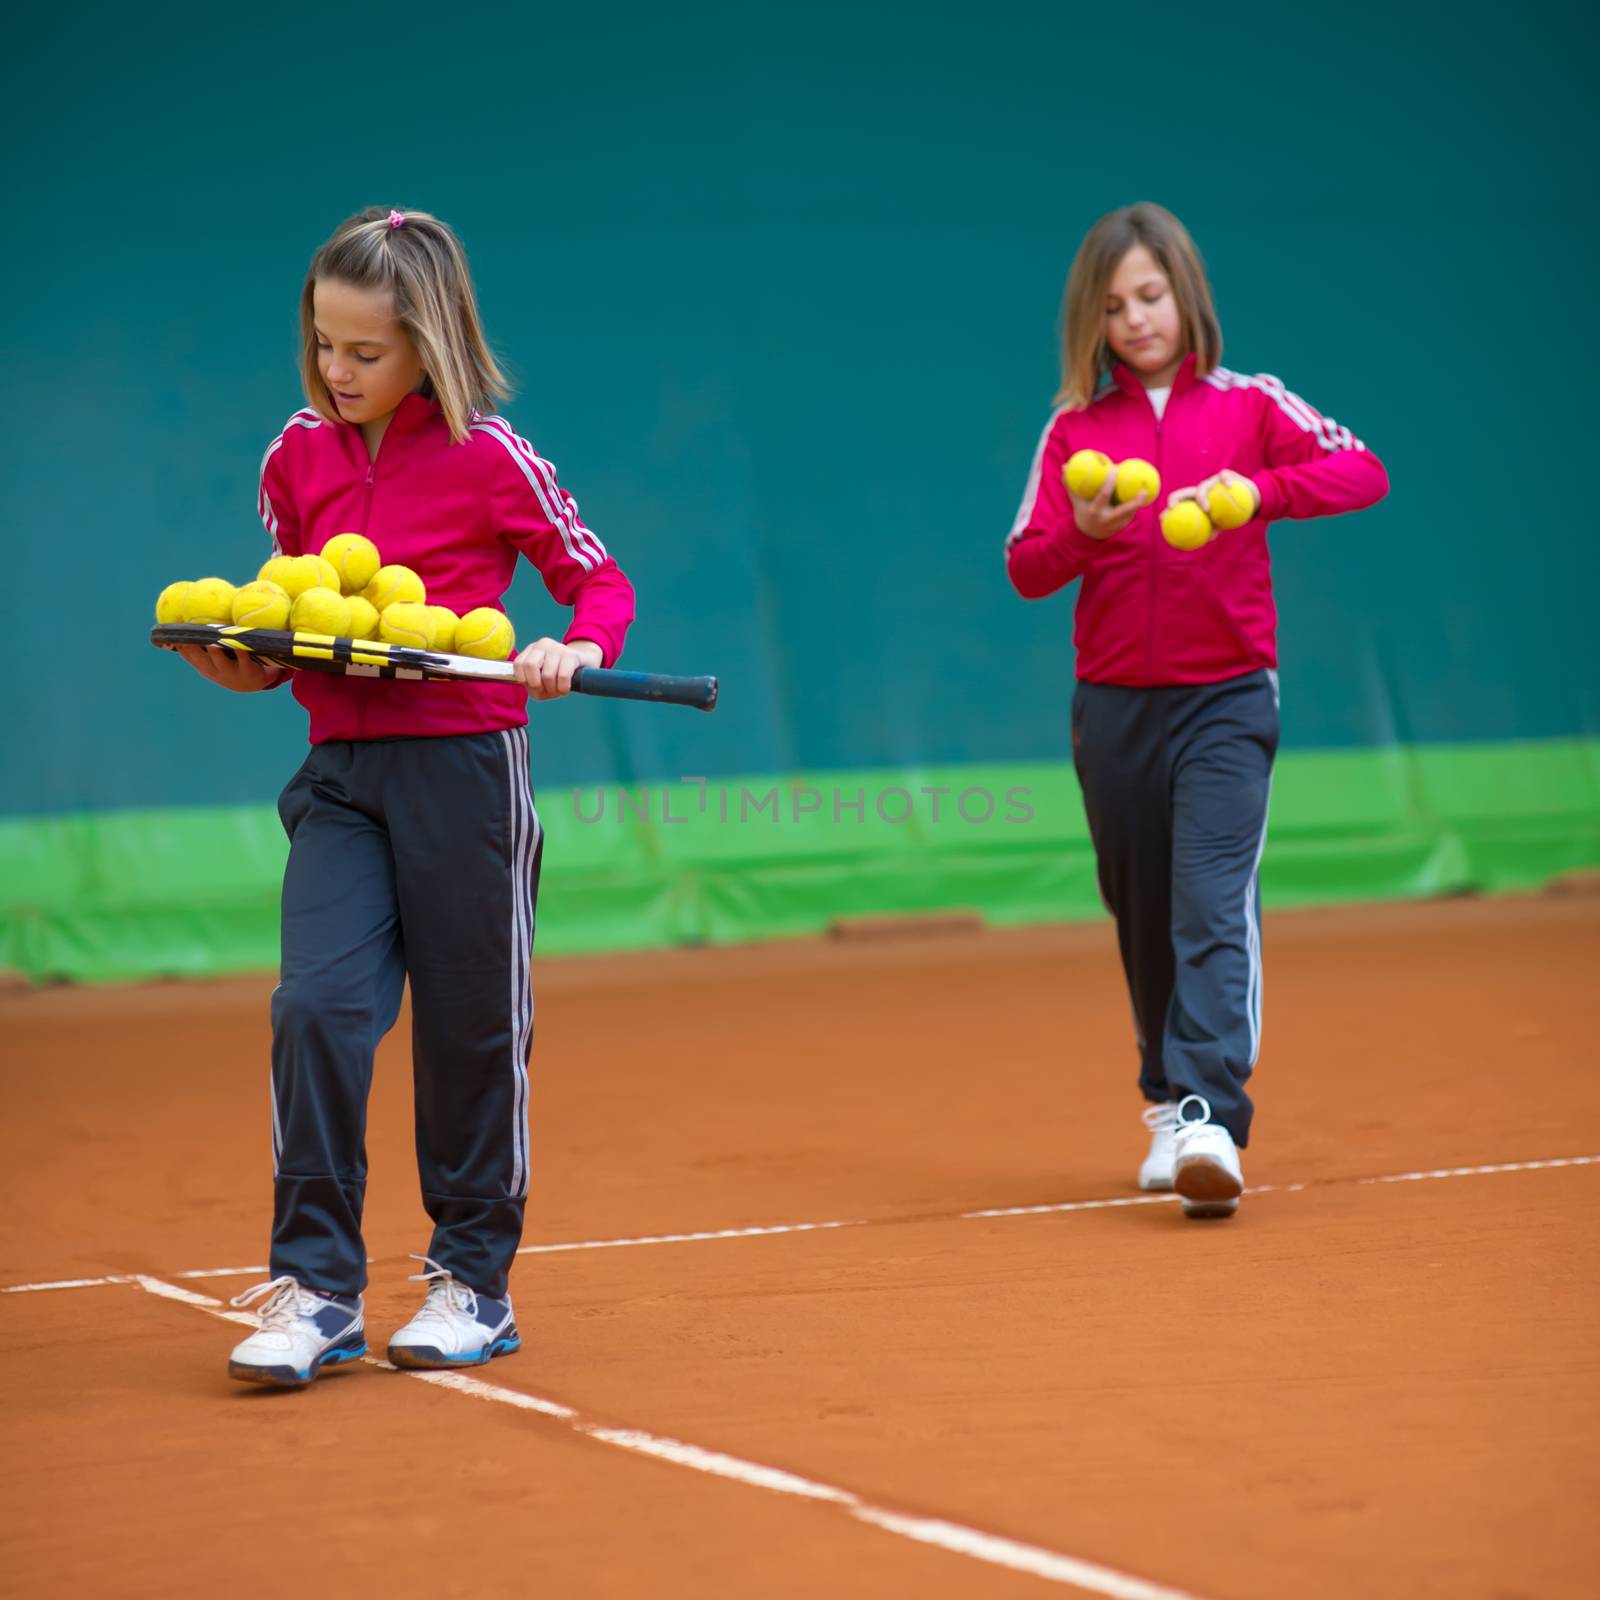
[[1185, 526], [345, 593]]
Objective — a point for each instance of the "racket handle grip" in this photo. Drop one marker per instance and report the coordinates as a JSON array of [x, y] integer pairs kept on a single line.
[[700, 693]]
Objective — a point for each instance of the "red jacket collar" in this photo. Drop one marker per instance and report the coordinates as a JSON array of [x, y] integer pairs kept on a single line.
[[415, 411], [1128, 381]]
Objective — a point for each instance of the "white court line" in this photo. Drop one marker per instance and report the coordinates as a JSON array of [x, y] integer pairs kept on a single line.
[[63, 1283], [170, 1291], [582, 1244], [861, 1222], [1011, 1553], [1473, 1172], [1051, 1565], [526, 1250], [1073, 1205], [1166, 1199], [689, 1238], [462, 1383]]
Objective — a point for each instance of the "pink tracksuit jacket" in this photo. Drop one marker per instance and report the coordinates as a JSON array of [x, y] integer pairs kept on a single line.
[[458, 515], [1149, 614]]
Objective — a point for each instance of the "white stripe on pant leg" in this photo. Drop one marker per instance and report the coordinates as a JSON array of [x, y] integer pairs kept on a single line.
[[514, 823], [507, 746], [277, 1125], [1252, 935], [527, 1036], [526, 834], [1257, 971], [524, 944], [526, 886], [1252, 924], [272, 1087], [519, 1065], [530, 890]]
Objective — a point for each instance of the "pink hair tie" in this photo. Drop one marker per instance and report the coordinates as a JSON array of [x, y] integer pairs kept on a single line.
[[397, 219]]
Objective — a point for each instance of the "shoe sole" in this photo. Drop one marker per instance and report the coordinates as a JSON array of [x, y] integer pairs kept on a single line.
[[1161, 1185], [288, 1377], [1207, 1187], [423, 1358]]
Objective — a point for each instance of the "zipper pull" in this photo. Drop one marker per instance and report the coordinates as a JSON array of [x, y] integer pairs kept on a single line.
[[372, 468]]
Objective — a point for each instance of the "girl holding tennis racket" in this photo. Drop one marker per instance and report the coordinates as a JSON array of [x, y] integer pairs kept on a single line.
[[1175, 713], [414, 846]]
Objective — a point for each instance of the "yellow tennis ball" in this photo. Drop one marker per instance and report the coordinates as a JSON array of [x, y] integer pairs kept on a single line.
[[444, 627], [1185, 526], [485, 633], [354, 558], [391, 584], [207, 600], [1133, 475], [273, 569], [301, 573], [363, 617], [1231, 503], [261, 605], [1086, 472], [169, 603], [321, 611], [407, 622]]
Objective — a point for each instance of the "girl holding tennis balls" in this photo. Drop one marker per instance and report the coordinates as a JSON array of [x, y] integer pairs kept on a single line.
[[1175, 713], [414, 846]]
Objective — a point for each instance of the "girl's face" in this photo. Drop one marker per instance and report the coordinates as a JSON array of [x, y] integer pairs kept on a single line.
[[1143, 327], [367, 360]]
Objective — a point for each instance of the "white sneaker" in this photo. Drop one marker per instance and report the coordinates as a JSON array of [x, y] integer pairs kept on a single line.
[[1156, 1171], [455, 1327], [1206, 1164], [301, 1332]]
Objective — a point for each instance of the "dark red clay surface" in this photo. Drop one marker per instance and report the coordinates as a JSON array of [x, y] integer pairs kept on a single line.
[[1351, 1388]]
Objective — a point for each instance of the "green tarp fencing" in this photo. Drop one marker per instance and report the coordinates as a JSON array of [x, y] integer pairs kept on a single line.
[[118, 895]]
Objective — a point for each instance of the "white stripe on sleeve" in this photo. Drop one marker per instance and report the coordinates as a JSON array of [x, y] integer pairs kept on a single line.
[[560, 509], [1030, 495], [1328, 433], [269, 519]]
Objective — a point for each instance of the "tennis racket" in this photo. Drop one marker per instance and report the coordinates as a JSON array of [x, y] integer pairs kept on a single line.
[[373, 658]]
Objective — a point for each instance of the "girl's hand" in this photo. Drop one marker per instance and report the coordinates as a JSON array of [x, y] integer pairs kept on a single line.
[[1202, 491], [1100, 517], [240, 672], [547, 665]]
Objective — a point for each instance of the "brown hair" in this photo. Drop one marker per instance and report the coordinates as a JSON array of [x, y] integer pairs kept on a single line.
[[1085, 356], [421, 263]]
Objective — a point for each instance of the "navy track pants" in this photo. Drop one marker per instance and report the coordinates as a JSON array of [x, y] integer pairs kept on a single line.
[[1175, 783], [419, 858]]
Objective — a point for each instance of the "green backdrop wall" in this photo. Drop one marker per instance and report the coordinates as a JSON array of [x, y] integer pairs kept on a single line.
[[779, 287]]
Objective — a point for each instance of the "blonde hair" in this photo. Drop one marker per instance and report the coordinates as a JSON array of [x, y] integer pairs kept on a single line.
[[421, 263], [1085, 356]]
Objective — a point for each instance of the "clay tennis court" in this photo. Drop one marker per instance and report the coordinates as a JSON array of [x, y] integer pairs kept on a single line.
[[1380, 1378]]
